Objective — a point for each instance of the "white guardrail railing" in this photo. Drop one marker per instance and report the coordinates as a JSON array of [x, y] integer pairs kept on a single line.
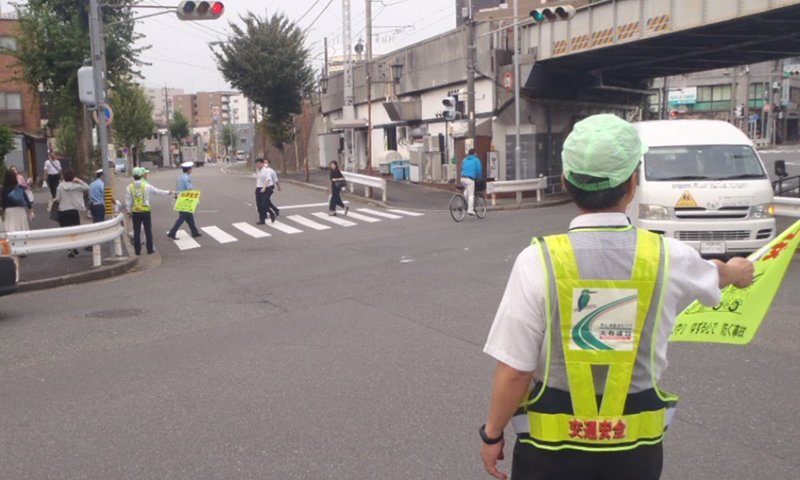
[[31, 242], [518, 186], [367, 181], [787, 207]]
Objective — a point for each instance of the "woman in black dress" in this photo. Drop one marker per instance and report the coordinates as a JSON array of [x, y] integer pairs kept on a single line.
[[338, 182]]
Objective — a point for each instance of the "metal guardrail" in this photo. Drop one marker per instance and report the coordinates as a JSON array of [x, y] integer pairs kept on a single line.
[[32, 242], [518, 186], [787, 207], [367, 181], [787, 187]]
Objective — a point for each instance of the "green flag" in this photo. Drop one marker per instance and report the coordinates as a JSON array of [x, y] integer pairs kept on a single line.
[[737, 318]]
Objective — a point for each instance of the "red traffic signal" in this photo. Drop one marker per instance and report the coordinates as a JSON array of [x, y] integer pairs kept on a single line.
[[203, 10]]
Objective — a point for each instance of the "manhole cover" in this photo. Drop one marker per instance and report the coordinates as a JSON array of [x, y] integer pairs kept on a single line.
[[121, 313]]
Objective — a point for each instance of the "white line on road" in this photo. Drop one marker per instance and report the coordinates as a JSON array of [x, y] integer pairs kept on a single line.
[[184, 241], [284, 228], [406, 212], [251, 230], [363, 218], [334, 220], [308, 223], [219, 235], [308, 205], [379, 214]]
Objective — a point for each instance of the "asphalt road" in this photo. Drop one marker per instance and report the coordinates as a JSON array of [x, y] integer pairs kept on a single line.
[[348, 353]]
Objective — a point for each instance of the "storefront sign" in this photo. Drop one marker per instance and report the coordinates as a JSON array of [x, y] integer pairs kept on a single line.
[[683, 96]]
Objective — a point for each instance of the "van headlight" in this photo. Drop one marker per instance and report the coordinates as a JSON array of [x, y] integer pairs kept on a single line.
[[653, 212], [763, 211]]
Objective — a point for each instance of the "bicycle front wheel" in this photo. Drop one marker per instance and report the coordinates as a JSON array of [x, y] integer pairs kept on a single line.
[[480, 206], [458, 207]]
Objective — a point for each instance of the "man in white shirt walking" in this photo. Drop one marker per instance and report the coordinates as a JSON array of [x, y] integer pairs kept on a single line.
[[273, 210], [52, 168], [263, 183]]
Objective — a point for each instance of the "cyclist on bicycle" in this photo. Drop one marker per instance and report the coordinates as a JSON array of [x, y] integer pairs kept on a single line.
[[471, 171]]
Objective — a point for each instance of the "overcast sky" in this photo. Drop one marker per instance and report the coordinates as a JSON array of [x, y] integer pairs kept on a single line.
[[180, 55]]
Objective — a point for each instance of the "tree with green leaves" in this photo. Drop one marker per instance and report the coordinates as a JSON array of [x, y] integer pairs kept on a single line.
[[6, 142], [133, 115], [267, 60], [52, 46], [230, 138], [179, 130]]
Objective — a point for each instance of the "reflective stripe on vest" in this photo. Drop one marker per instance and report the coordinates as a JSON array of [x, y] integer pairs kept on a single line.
[[595, 327], [138, 198]]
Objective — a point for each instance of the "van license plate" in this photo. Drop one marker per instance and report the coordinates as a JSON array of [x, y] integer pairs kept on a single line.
[[712, 248]]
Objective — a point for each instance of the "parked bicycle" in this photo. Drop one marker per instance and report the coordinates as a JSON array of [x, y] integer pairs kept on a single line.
[[458, 204]]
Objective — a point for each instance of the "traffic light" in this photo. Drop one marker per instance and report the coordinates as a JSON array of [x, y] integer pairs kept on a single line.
[[200, 10], [450, 105], [791, 73], [552, 14], [739, 111]]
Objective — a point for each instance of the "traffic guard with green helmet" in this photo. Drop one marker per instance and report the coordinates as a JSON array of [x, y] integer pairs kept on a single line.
[[137, 201], [581, 334]]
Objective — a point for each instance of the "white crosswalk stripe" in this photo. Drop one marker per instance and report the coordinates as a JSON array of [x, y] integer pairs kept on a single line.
[[406, 212], [219, 235], [379, 214], [282, 227], [334, 220], [363, 218], [251, 230], [184, 241], [308, 223]]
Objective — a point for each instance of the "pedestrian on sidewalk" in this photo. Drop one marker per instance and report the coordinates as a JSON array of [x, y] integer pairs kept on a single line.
[[69, 197], [185, 184], [23, 183], [17, 208], [137, 203], [274, 212], [263, 182], [585, 402], [97, 195], [471, 173], [52, 168], [338, 183]]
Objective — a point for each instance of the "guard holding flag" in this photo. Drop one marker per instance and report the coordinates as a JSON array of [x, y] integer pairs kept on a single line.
[[185, 184], [137, 201], [581, 334]]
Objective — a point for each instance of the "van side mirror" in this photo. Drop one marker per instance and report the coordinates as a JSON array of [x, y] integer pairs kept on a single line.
[[780, 168]]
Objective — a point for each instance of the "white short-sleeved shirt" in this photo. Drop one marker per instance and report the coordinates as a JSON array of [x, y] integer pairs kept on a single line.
[[263, 178], [517, 337]]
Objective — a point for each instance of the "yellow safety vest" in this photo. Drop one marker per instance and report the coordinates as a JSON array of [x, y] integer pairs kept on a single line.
[[138, 198], [599, 325]]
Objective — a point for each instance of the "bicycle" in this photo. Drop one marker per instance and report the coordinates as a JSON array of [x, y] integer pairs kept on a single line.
[[458, 205]]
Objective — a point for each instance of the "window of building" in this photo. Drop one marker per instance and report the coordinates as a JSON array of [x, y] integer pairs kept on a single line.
[[715, 97], [8, 43], [243, 141], [755, 97], [10, 101]]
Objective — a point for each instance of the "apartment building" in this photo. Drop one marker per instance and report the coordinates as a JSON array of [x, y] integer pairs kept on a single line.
[[19, 105], [199, 108], [162, 100]]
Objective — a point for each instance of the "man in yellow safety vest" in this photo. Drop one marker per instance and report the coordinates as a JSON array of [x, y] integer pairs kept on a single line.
[[580, 337], [137, 201]]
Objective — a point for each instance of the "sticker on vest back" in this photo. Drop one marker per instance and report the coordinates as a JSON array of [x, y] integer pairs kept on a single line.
[[603, 319]]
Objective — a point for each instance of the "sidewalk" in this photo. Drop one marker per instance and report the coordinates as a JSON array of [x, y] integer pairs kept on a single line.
[[421, 197], [56, 265]]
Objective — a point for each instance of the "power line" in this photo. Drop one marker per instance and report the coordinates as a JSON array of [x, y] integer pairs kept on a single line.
[[320, 14], [308, 11]]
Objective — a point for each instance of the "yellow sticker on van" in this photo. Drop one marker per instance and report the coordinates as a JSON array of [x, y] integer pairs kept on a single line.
[[686, 200]]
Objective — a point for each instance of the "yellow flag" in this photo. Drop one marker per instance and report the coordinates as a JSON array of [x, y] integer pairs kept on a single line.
[[187, 201], [737, 318]]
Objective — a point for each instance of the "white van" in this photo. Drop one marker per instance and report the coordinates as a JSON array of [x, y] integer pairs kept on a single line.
[[703, 183]]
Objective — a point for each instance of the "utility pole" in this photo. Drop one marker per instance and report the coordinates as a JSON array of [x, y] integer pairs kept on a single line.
[[470, 74], [348, 111], [517, 147], [325, 67], [98, 64], [305, 139], [368, 70]]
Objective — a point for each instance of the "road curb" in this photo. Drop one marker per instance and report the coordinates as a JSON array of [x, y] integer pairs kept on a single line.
[[528, 206], [100, 273], [353, 196]]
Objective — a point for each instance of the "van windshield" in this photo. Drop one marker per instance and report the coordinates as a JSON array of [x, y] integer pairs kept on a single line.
[[704, 162]]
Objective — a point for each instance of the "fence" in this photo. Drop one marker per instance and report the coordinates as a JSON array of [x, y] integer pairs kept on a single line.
[[367, 181], [517, 186]]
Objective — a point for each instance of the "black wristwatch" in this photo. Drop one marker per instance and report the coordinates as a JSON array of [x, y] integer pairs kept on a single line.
[[487, 440]]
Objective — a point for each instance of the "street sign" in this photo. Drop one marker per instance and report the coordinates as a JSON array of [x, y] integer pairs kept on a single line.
[[215, 111], [767, 108], [109, 116], [508, 81], [126, 151], [683, 96]]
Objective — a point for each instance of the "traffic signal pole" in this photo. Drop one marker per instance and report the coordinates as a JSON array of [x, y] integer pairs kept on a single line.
[[98, 62], [470, 76], [517, 51]]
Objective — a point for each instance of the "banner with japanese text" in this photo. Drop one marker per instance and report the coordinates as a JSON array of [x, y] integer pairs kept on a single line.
[[187, 201], [737, 318]]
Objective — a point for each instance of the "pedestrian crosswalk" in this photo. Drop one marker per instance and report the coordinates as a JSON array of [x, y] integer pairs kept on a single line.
[[291, 225]]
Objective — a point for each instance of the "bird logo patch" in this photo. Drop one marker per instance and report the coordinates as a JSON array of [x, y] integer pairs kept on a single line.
[[604, 319]]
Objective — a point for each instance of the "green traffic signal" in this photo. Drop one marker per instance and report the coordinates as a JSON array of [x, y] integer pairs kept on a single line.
[[537, 15]]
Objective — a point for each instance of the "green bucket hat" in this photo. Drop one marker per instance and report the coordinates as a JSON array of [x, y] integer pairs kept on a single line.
[[140, 172], [602, 146]]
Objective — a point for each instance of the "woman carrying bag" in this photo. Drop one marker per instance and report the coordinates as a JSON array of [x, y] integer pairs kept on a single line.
[[338, 182], [15, 203], [69, 203]]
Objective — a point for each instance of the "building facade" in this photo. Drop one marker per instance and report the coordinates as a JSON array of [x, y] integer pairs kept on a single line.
[[162, 100], [19, 104]]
